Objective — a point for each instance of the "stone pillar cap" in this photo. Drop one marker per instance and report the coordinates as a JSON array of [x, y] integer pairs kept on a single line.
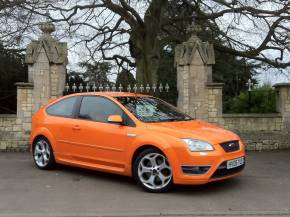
[[24, 84], [282, 85], [214, 84]]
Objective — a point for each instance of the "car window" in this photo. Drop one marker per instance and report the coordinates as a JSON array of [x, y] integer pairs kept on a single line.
[[98, 109], [63, 107], [150, 109]]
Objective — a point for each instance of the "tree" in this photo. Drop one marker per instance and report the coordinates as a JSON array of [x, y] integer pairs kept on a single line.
[[17, 24], [73, 78], [234, 73], [12, 70], [97, 72], [134, 33], [259, 100], [168, 75], [125, 78]]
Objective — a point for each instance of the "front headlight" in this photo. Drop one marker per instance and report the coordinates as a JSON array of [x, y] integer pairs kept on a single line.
[[198, 145]]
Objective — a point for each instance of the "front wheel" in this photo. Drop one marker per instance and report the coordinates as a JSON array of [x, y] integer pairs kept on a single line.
[[43, 154], [152, 171]]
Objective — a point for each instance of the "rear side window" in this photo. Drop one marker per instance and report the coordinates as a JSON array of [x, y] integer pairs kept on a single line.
[[98, 109], [62, 108]]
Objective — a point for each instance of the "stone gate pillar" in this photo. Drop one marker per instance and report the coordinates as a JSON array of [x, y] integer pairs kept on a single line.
[[194, 60], [47, 60], [283, 104]]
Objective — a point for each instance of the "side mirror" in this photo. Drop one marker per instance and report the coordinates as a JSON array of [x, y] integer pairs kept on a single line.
[[117, 119]]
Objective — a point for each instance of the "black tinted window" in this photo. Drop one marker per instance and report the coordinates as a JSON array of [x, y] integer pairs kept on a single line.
[[98, 109], [63, 107]]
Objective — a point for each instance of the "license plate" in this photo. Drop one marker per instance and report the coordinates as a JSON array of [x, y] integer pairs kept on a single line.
[[235, 163]]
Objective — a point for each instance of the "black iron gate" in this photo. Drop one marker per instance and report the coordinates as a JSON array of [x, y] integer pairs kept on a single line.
[[8, 102]]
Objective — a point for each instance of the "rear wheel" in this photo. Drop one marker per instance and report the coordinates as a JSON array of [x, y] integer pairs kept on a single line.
[[43, 154], [152, 171]]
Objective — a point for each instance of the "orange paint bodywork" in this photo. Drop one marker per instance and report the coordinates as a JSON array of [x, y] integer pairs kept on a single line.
[[110, 147]]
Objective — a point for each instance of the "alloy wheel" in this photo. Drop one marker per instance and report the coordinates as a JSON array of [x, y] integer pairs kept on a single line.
[[42, 153], [154, 171]]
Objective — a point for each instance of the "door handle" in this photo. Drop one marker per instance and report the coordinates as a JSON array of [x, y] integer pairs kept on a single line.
[[131, 135], [76, 127]]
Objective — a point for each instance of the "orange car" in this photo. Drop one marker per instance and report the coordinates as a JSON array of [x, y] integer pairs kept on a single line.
[[134, 135]]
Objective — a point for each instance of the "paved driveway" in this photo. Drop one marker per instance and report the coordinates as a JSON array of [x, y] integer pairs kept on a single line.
[[262, 190]]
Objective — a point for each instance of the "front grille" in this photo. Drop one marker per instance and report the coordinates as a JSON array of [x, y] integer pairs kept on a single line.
[[230, 146], [223, 171]]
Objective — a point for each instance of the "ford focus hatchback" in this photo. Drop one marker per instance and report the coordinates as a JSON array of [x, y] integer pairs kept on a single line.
[[134, 135]]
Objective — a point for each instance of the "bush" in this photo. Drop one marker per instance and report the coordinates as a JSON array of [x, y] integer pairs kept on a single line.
[[259, 100]]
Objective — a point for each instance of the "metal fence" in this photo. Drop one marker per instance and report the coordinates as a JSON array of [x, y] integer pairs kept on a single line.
[[133, 88], [8, 102]]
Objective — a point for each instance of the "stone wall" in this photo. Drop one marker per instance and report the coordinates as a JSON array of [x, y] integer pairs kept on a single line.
[[202, 99], [13, 134], [214, 97], [253, 122], [15, 129], [7, 132], [258, 131]]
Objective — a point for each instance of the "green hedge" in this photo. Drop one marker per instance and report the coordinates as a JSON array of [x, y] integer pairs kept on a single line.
[[259, 100]]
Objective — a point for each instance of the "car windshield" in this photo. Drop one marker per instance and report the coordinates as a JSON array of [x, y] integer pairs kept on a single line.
[[150, 109]]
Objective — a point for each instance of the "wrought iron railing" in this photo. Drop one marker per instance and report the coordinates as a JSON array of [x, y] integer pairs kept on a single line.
[[134, 88]]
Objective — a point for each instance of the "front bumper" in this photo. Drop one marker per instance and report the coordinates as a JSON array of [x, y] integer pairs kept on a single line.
[[216, 160]]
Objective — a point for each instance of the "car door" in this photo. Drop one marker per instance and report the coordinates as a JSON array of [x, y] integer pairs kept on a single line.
[[61, 123], [97, 142]]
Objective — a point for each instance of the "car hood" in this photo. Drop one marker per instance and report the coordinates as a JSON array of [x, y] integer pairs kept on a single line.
[[195, 129]]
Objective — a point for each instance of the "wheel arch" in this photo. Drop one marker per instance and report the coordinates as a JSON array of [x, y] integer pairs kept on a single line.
[[141, 149], [38, 137], [165, 149], [42, 132]]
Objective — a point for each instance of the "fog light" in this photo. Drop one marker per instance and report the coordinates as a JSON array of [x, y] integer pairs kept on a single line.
[[195, 170]]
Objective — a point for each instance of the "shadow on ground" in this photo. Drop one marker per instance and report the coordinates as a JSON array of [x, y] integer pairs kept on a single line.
[[79, 173]]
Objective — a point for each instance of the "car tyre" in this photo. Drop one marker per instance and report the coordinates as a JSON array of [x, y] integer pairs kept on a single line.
[[152, 171], [43, 154]]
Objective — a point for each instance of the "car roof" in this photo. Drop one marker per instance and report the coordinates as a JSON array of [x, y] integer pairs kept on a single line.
[[111, 94]]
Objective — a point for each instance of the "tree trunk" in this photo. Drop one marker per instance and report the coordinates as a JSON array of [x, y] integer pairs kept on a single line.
[[147, 65], [145, 44]]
